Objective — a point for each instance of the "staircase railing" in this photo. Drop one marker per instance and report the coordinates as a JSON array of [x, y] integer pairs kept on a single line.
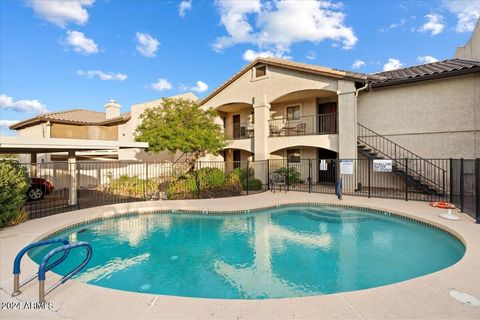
[[425, 171]]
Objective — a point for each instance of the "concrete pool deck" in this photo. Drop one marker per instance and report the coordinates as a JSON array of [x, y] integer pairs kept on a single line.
[[426, 297]]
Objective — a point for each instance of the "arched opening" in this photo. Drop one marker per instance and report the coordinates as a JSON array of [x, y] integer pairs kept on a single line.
[[238, 120]]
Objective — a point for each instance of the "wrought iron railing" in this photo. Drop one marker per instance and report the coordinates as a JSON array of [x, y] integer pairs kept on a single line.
[[305, 125], [241, 130]]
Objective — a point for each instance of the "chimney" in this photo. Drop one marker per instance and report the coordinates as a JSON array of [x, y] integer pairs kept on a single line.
[[112, 109]]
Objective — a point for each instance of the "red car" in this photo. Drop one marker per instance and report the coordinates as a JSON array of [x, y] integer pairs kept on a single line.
[[39, 187]]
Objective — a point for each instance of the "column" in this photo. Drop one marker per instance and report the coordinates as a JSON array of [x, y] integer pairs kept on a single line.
[[260, 143], [347, 120], [262, 115], [33, 165], [72, 170]]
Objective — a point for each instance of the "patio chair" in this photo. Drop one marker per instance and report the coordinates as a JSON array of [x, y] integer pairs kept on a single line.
[[274, 130], [276, 179], [300, 129]]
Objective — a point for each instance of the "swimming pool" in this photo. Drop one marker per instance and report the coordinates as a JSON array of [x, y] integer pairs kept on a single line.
[[290, 251]]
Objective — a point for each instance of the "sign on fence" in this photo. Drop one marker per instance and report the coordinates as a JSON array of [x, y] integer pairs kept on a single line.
[[346, 166], [382, 165]]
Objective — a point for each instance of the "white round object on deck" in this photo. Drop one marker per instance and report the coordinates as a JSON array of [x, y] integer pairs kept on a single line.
[[449, 216]]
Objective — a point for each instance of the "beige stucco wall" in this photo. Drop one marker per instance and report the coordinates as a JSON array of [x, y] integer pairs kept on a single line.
[[276, 84], [435, 119], [60, 130], [471, 50]]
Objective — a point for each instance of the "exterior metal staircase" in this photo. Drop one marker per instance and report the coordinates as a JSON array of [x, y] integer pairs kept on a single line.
[[419, 173]]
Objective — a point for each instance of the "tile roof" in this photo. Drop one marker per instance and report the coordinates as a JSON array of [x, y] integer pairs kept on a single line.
[[74, 116], [427, 71]]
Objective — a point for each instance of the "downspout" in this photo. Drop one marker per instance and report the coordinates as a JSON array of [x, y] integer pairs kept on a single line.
[[366, 86]]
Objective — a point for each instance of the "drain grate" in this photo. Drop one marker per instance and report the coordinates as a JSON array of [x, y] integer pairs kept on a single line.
[[464, 298]]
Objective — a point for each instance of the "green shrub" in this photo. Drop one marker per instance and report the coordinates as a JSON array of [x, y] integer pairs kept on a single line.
[[293, 174], [253, 183], [204, 183], [14, 183], [183, 188], [133, 187], [211, 178]]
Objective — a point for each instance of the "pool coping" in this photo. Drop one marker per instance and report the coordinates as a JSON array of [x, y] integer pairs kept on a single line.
[[343, 305]]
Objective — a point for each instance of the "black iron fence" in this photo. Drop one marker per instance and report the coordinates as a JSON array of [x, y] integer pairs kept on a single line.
[[90, 184], [465, 186]]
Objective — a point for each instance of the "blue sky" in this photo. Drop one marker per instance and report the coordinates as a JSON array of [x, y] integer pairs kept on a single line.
[[57, 55]]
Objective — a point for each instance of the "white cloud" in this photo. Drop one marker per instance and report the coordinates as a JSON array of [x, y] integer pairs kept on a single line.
[[28, 106], [427, 59], [61, 12], [434, 24], [467, 12], [147, 45], [80, 43], [311, 55], [102, 75], [395, 25], [392, 64], [161, 85], [250, 55], [7, 123], [183, 7], [200, 87], [357, 64], [275, 26]]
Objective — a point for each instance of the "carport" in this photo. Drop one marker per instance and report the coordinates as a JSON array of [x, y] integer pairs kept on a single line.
[[34, 146]]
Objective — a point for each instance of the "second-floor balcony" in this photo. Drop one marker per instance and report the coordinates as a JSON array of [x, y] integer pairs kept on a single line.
[[304, 125], [283, 127]]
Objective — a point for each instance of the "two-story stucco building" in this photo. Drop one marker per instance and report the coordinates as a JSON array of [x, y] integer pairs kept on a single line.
[[275, 108]]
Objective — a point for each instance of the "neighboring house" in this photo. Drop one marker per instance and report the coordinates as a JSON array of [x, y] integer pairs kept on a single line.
[[93, 125]]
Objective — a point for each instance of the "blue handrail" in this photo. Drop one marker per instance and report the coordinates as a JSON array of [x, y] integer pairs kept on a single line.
[[44, 267], [18, 260]]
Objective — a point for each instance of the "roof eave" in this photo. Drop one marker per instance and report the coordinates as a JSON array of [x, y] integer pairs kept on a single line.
[[425, 78]]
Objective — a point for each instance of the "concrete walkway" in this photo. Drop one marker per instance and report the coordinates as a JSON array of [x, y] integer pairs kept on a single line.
[[425, 297]]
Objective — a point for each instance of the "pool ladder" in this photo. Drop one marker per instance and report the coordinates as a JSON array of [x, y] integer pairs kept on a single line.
[[45, 266]]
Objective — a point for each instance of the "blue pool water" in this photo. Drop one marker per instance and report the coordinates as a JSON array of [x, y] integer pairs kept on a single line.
[[275, 253]]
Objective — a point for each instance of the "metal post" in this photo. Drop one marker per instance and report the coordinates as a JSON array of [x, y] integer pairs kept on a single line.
[[309, 175], [16, 285], [451, 180], [462, 186], [406, 179], [248, 174], [287, 178], [268, 174], [477, 190], [41, 291], [369, 175], [145, 182]]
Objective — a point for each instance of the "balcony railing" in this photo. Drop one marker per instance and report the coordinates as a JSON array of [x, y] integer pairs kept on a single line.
[[236, 131], [306, 125]]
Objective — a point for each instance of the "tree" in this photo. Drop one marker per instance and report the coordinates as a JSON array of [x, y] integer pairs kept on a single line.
[[181, 125]]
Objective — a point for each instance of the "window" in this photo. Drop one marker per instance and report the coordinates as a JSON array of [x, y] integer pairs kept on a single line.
[[293, 113], [260, 71], [293, 155]]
